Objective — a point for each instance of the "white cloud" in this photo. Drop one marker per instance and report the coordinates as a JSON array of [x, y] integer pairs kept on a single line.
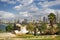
[[17, 7], [31, 8], [6, 15], [3, 0], [34, 11], [47, 11], [9, 15], [26, 2], [25, 14], [43, 12], [23, 4], [9, 1], [47, 4]]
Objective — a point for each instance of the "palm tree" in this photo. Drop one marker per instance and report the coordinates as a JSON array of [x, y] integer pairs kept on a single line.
[[52, 18]]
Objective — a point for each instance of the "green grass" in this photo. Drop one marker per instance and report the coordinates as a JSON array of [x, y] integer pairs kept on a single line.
[[32, 37], [58, 37], [40, 37]]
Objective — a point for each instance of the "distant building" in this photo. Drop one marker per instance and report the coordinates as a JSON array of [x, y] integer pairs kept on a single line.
[[57, 17], [40, 19], [44, 19], [24, 21]]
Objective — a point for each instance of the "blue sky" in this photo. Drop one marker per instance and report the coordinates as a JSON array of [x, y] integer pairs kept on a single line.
[[13, 9]]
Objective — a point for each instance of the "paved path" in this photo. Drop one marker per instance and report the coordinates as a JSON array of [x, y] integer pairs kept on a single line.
[[6, 35]]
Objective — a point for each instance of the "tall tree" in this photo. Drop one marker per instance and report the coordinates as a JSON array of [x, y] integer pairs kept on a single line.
[[34, 28], [52, 18], [30, 26], [42, 27]]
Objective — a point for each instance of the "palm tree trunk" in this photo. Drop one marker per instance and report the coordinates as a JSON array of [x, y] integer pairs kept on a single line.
[[51, 23]]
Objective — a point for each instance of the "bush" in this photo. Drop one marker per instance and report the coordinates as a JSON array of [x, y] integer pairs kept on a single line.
[[42, 27], [58, 28], [9, 28]]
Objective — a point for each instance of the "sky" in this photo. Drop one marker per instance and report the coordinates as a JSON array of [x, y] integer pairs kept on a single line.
[[27, 9]]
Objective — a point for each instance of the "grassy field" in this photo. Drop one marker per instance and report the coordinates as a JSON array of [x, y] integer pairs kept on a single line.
[[32, 37]]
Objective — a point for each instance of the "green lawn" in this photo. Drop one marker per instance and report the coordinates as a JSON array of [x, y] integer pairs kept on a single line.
[[32, 37]]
